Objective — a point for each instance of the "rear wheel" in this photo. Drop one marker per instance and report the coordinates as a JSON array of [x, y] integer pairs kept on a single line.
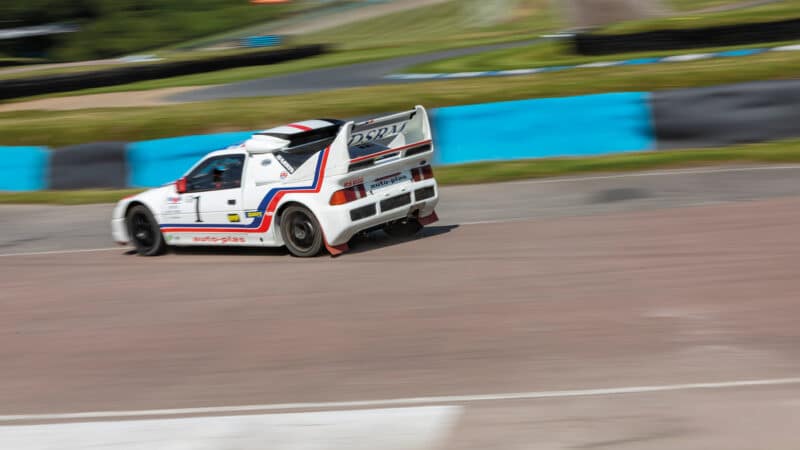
[[301, 232], [144, 232], [403, 228]]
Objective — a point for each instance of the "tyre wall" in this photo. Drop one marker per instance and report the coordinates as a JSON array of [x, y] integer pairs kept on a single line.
[[25, 87], [721, 36], [85, 166], [727, 115]]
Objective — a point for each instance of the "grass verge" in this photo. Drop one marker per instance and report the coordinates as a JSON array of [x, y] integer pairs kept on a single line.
[[445, 24], [552, 53], [77, 197], [487, 172], [698, 5], [764, 153]]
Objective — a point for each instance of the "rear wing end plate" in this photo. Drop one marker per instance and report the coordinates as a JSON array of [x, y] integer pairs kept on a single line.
[[360, 145]]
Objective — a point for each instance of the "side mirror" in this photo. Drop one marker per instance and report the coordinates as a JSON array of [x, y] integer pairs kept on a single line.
[[180, 185]]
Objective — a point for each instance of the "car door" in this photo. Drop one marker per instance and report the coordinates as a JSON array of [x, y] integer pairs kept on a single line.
[[214, 189]]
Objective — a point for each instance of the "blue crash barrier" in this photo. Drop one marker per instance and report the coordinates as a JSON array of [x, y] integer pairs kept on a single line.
[[540, 128], [260, 41], [23, 168], [153, 163]]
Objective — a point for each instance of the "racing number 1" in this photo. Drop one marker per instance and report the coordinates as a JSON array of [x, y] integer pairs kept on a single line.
[[197, 208]]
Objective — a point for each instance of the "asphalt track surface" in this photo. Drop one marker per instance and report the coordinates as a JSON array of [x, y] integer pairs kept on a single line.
[[596, 303], [340, 77]]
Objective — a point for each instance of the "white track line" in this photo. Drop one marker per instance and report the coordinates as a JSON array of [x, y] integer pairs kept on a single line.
[[402, 401], [658, 173], [61, 252]]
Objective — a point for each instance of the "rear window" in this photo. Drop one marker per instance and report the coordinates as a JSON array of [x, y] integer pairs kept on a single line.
[[291, 159]]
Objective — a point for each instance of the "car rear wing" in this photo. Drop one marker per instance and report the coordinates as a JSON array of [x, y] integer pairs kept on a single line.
[[360, 145]]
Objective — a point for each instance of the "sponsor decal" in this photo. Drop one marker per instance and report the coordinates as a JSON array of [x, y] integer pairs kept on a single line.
[[354, 182], [173, 200], [284, 175], [284, 163], [233, 218], [219, 239], [268, 205], [376, 134], [253, 214], [387, 181]]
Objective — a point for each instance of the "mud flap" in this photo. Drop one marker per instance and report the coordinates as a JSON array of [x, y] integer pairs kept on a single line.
[[336, 250], [427, 220]]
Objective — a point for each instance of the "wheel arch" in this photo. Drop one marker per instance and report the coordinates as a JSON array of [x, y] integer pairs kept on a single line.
[[134, 204], [284, 206], [318, 212]]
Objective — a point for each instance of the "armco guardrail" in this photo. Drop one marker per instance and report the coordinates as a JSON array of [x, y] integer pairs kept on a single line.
[[721, 36], [24, 87], [539, 128]]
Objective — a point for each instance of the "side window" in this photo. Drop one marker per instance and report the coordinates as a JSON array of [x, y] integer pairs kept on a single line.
[[217, 173]]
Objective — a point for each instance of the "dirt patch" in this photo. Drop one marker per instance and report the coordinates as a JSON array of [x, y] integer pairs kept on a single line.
[[595, 13], [156, 97]]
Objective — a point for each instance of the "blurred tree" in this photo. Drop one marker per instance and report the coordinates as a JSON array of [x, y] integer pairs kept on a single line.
[[114, 27]]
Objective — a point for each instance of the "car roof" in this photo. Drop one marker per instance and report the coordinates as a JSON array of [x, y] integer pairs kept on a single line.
[[297, 133], [300, 133]]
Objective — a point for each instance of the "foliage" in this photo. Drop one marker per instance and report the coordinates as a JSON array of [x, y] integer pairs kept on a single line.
[[114, 27]]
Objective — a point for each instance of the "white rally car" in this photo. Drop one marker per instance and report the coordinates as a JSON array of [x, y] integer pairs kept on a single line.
[[308, 186]]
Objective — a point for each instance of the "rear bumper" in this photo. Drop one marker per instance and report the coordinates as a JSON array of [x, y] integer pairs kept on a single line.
[[376, 210]]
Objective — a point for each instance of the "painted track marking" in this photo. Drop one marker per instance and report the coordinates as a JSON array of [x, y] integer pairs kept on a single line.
[[60, 252], [100, 415], [658, 173]]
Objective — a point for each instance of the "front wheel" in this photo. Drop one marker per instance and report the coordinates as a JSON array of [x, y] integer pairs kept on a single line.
[[144, 232], [301, 232]]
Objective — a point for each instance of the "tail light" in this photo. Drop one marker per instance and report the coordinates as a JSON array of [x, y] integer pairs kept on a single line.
[[422, 173], [180, 186], [348, 195]]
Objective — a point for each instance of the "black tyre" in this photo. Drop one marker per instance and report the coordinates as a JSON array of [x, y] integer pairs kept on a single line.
[[403, 228], [301, 232], [144, 232]]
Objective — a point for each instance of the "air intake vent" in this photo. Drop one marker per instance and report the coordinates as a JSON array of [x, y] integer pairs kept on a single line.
[[422, 194], [395, 202], [362, 212]]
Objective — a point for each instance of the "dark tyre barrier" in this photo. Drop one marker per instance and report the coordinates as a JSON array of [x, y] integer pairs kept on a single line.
[[726, 115], [26, 87], [744, 34], [86, 166]]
